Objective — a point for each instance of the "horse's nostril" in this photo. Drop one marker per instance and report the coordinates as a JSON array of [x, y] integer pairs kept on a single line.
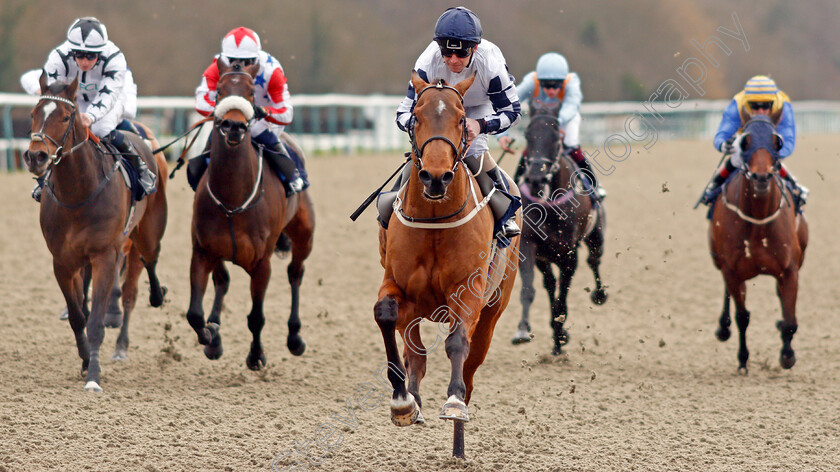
[[447, 177], [425, 177]]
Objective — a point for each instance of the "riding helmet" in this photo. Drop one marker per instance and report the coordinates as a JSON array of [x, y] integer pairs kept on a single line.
[[552, 66], [458, 24], [241, 43], [87, 34]]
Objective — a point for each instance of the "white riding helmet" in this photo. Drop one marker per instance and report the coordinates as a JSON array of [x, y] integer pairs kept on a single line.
[[87, 34], [241, 43], [552, 66]]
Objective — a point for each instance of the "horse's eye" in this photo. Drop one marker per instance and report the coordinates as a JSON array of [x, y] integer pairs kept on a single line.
[[66, 119]]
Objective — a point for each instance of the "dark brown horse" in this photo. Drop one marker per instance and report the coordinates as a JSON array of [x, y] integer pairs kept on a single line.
[[756, 230], [88, 215], [559, 216], [437, 254], [239, 213]]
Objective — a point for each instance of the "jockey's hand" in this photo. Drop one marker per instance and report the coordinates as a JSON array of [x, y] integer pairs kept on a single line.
[[261, 112], [504, 142], [727, 146], [86, 119], [473, 129]]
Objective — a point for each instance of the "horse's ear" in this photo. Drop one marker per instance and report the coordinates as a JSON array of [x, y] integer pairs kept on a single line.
[[745, 117], [745, 142], [778, 141], [465, 84], [222, 66], [253, 69], [417, 82], [43, 81], [70, 90]]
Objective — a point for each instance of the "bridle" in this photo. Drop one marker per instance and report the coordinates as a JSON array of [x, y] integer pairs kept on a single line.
[[556, 152], [39, 137], [418, 152]]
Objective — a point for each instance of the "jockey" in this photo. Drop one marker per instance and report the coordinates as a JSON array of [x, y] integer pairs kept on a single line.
[[272, 109], [759, 97], [106, 97], [552, 89], [456, 53]]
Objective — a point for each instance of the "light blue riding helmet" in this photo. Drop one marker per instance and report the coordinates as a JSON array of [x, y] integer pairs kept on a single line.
[[552, 66]]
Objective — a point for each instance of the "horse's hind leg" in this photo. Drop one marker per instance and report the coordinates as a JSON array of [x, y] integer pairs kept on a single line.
[[147, 238], [134, 266], [526, 296], [260, 275], [723, 331], [300, 231], [787, 288], [114, 315], [595, 244]]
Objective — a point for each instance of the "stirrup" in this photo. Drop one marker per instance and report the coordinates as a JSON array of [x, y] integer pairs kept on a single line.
[[295, 186], [600, 192], [510, 229]]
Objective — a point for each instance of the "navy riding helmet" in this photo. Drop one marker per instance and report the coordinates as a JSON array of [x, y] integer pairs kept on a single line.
[[458, 23]]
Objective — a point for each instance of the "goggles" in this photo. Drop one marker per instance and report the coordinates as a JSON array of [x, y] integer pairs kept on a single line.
[[551, 84], [761, 105], [89, 55]]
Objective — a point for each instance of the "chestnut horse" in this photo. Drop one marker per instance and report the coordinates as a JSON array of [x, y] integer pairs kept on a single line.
[[88, 216], [239, 213], [437, 267], [756, 230], [561, 216]]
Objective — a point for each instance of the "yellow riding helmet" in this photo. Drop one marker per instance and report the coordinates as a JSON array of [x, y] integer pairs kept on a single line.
[[760, 89]]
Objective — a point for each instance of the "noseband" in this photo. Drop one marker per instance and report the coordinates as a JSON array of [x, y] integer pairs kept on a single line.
[[39, 137], [225, 126], [459, 153]]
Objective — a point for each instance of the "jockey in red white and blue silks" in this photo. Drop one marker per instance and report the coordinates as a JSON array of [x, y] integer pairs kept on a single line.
[[272, 106]]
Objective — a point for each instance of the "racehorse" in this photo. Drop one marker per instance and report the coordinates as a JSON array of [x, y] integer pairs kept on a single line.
[[440, 260], [563, 216], [756, 230], [239, 214], [88, 218]]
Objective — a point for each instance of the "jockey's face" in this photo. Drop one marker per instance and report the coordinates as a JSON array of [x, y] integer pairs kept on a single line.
[[551, 87], [86, 60], [761, 108]]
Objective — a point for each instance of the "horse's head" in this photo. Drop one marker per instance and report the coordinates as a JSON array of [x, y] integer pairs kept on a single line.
[[760, 145], [234, 101], [438, 133], [54, 126], [543, 138]]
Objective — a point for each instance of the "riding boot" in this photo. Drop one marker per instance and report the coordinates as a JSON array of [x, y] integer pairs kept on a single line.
[[502, 204], [800, 192], [145, 177], [712, 190], [577, 155], [278, 159]]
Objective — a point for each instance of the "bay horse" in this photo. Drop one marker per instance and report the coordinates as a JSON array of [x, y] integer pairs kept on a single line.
[[89, 217], [239, 213], [756, 230], [561, 216], [441, 261]]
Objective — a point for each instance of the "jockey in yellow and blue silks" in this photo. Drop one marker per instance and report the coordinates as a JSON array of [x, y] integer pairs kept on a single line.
[[760, 96]]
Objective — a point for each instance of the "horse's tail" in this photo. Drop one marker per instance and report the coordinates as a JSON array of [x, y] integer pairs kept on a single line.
[[283, 246]]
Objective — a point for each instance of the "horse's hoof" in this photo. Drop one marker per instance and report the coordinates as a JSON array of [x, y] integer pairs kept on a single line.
[[454, 409], [156, 299], [556, 351], [521, 336], [256, 364], [65, 314], [787, 361], [599, 297], [723, 334], [93, 387], [119, 355], [419, 420], [742, 370], [113, 320], [405, 412], [214, 350], [296, 345], [562, 338]]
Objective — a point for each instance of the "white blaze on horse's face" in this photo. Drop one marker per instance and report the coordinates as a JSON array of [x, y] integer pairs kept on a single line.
[[441, 107], [48, 109]]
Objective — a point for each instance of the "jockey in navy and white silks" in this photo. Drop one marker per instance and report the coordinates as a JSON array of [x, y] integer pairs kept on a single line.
[[491, 104], [760, 96], [551, 89], [272, 106], [106, 95]]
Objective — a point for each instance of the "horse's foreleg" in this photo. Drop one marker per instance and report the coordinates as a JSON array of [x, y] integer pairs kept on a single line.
[[221, 283], [723, 331], [414, 353], [113, 315], [260, 276], [526, 296], [294, 341], [595, 244], [104, 267], [404, 409], [129, 300], [560, 309], [738, 291], [787, 287], [71, 285], [200, 267]]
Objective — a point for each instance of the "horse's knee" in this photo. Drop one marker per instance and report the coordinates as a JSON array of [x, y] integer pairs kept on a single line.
[[256, 321], [456, 344], [527, 294], [385, 311], [742, 318], [295, 272]]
